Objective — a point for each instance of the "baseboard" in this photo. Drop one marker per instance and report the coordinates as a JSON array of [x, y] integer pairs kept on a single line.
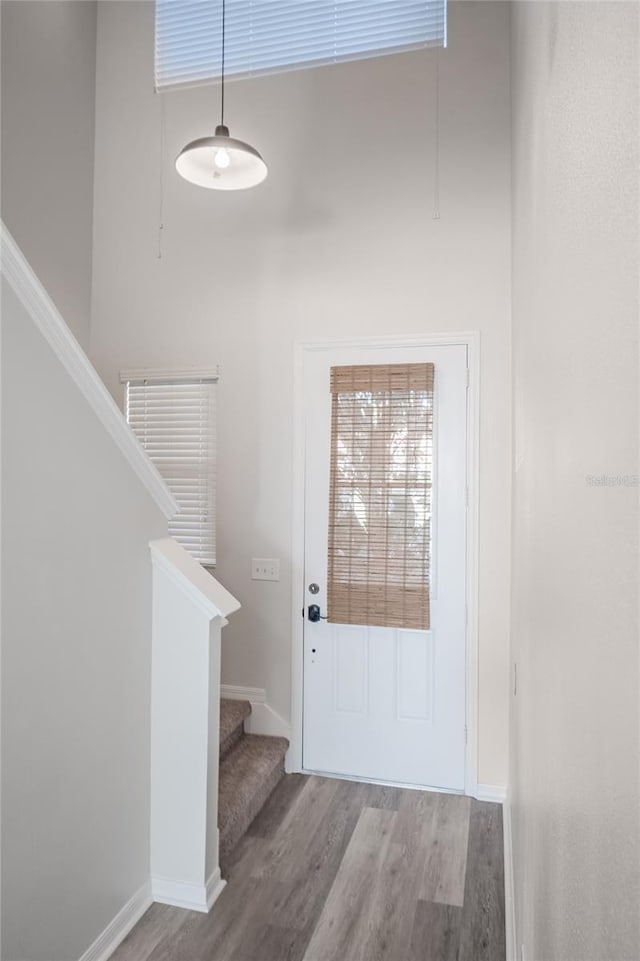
[[214, 888], [257, 695], [509, 895], [183, 894], [263, 719], [490, 792], [117, 929]]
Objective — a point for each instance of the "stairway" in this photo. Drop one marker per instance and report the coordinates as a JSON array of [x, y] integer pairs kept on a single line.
[[250, 767]]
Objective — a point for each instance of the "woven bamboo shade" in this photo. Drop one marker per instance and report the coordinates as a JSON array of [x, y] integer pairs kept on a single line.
[[380, 495]]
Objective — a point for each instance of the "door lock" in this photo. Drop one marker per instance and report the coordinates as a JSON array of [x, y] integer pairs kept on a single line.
[[314, 614]]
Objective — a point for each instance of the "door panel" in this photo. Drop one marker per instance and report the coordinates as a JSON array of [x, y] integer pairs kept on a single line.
[[351, 668], [415, 676], [389, 703]]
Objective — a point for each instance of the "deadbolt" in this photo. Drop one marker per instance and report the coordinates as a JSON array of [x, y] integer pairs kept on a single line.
[[313, 588]]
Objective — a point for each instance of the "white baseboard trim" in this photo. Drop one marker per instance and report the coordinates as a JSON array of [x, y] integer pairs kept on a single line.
[[490, 792], [117, 929], [257, 695], [509, 890], [263, 719], [214, 888], [184, 894]]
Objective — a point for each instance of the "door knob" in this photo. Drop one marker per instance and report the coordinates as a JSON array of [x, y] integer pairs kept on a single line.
[[314, 614]]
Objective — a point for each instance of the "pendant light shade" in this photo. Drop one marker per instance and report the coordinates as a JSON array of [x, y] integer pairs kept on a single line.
[[221, 162]]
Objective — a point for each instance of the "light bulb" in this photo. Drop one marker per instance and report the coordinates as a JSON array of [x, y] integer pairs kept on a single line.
[[222, 158]]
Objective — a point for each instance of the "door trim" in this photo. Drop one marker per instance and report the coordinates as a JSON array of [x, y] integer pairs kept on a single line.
[[471, 340]]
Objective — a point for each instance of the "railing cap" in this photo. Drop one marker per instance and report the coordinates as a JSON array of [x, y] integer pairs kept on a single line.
[[191, 577]]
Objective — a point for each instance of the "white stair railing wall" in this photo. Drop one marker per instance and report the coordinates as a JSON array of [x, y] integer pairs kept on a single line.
[[189, 611], [84, 613]]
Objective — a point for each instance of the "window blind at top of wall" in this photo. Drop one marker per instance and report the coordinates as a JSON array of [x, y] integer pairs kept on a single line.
[[380, 495], [176, 424], [273, 36]]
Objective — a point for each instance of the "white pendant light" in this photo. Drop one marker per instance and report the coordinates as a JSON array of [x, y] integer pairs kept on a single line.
[[221, 162]]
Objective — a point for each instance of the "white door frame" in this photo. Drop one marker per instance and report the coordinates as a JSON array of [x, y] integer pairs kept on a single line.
[[471, 340]]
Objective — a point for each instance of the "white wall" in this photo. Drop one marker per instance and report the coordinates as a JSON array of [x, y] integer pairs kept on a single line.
[[574, 744], [48, 107], [76, 659], [339, 241]]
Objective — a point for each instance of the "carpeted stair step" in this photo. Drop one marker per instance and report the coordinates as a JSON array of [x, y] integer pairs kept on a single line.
[[232, 717], [248, 775]]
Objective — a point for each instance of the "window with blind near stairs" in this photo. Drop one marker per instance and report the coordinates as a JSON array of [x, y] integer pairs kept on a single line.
[[173, 415]]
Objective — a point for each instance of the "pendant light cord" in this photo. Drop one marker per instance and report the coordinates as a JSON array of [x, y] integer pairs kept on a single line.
[[222, 70]]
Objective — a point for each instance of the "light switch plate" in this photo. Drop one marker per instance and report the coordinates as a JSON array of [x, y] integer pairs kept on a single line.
[[265, 569]]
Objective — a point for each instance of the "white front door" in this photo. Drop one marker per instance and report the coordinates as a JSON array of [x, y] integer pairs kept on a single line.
[[388, 703]]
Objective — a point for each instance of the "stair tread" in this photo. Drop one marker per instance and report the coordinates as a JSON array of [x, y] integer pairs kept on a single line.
[[232, 715], [243, 772]]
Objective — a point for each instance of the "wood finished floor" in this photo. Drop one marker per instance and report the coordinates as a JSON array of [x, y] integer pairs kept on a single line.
[[338, 871]]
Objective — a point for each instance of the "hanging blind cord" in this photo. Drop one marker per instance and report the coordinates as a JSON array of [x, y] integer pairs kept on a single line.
[[436, 143], [161, 198]]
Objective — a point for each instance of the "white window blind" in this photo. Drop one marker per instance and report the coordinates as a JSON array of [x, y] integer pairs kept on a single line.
[[272, 36], [175, 421]]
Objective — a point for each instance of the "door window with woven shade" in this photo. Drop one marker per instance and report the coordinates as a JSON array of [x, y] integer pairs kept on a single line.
[[380, 495]]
